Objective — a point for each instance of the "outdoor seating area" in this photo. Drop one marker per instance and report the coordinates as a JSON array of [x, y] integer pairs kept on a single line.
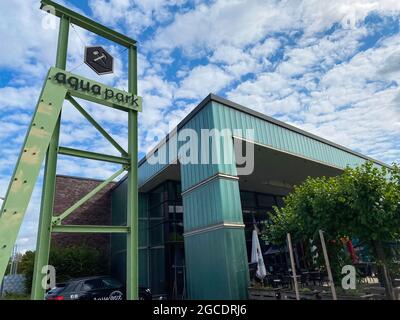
[[315, 285], [316, 278], [304, 279]]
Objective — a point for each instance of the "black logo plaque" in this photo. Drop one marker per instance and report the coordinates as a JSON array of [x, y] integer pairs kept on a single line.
[[99, 60]]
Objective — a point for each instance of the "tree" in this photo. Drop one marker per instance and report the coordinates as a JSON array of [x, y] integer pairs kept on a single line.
[[26, 268], [69, 262], [362, 203]]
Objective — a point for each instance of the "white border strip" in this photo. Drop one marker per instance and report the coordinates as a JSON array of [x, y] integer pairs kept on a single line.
[[209, 179], [213, 227]]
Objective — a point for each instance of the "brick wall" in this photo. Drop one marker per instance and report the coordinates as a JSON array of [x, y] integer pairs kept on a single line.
[[96, 211]]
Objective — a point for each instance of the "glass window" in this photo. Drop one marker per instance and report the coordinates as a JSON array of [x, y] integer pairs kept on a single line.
[[156, 212], [248, 199], [171, 191], [110, 283], [265, 200], [248, 216], [178, 191], [157, 196], [156, 232], [157, 274], [279, 201], [143, 232], [174, 231]]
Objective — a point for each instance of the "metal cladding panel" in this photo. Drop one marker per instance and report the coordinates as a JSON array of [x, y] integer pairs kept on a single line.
[[147, 170], [118, 204], [283, 139], [215, 265], [214, 202], [197, 172]]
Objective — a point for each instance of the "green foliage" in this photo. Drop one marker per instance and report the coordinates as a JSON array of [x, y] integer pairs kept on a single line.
[[14, 296], [70, 262], [362, 203], [26, 267]]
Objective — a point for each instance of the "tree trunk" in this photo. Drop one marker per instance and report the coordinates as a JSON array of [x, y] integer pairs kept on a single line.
[[383, 269]]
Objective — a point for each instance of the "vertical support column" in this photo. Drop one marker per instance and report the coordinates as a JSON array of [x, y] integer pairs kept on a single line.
[[215, 248], [327, 264], [294, 275], [47, 202], [132, 205]]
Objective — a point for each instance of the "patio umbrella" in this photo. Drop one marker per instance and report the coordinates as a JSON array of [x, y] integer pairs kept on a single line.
[[256, 256]]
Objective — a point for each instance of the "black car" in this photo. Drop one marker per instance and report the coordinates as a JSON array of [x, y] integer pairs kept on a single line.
[[93, 288]]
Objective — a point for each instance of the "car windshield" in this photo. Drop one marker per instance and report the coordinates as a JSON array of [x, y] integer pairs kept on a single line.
[[101, 283], [56, 290], [110, 283]]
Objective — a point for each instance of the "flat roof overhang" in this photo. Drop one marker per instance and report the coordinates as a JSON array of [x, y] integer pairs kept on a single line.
[[170, 172], [276, 172], [212, 97]]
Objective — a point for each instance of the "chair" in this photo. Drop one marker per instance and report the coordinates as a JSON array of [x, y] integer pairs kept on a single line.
[[304, 279], [252, 270]]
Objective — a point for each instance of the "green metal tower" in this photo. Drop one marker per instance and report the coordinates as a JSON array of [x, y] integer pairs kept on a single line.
[[42, 143]]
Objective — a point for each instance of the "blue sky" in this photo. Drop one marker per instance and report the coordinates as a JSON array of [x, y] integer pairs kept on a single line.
[[328, 67]]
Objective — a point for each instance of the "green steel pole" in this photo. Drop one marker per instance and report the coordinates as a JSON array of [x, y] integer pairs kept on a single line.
[[46, 211], [132, 205]]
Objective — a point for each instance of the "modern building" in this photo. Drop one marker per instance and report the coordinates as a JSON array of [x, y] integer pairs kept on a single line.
[[196, 219]]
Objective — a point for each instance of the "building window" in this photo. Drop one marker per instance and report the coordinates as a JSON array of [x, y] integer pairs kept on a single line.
[[165, 210], [255, 208]]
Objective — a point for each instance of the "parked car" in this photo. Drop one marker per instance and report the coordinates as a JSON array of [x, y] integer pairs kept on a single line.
[[93, 288]]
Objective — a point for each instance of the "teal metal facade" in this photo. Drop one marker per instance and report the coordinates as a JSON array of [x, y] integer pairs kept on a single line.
[[215, 249]]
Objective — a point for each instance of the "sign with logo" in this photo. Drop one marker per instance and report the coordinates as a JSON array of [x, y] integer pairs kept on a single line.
[[99, 60], [94, 91]]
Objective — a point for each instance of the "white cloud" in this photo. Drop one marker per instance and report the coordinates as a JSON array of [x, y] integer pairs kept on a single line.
[[348, 104], [236, 23], [266, 48], [202, 80], [135, 16], [240, 23], [18, 97]]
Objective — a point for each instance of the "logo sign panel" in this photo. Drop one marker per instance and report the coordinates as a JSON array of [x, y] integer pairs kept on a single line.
[[99, 60], [94, 91]]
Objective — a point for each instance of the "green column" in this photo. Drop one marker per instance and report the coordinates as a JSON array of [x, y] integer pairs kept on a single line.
[[132, 205], [215, 247], [47, 203]]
